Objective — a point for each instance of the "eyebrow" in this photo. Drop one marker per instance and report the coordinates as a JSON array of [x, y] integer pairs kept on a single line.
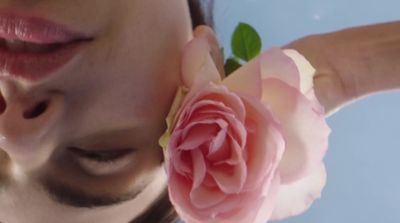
[[78, 198]]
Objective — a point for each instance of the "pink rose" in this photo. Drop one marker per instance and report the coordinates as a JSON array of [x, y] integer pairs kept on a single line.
[[248, 148]]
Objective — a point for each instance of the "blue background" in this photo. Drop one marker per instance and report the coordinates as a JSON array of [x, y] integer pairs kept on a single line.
[[363, 159]]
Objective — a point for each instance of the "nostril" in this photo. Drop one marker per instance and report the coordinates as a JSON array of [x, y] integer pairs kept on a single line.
[[3, 104], [36, 110]]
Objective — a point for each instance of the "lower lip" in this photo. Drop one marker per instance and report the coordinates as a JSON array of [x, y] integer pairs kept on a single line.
[[37, 66]]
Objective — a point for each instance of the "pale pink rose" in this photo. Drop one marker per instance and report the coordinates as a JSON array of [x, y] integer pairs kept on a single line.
[[249, 148]]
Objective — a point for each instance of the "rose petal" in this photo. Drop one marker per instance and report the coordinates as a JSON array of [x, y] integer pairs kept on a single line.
[[181, 166], [307, 73], [209, 109], [265, 211], [236, 128], [219, 155], [179, 192], [236, 153], [305, 69], [197, 133], [295, 198], [246, 80], [247, 211], [230, 182], [199, 168], [217, 96], [229, 99], [232, 178], [305, 130], [265, 145], [252, 207], [204, 197], [220, 138], [315, 103], [197, 64], [276, 64]]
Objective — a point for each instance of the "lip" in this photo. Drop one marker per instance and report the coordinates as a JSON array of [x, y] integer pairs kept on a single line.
[[101, 154], [34, 66], [104, 161]]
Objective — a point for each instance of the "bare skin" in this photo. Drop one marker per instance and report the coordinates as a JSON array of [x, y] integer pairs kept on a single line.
[[353, 63], [114, 94]]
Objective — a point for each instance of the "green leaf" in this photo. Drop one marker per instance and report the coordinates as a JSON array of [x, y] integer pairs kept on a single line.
[[246, 43], [231, 65]]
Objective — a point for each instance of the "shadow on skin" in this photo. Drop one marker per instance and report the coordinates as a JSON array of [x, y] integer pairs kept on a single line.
[[4, 168]]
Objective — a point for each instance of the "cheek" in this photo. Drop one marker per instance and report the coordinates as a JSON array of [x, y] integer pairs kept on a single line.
[[130, 75], [4, 167], [130, 87], [140, 88], [144, 55], [142, 96]]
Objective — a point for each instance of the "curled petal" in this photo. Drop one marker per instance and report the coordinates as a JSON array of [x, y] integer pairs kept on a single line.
[[306, 132], [220, 138], [197, 64], [276, 64], [305, 69], [179, 194], [230, 182], [264, 146], [217, 96], [307, 73], [248, 207], [230, 178], [180, 165], [246, 80], [196, 134], [295, 198], [204, 197], [199, 168]]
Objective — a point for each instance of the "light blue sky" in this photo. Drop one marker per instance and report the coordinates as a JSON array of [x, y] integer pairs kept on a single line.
[[363, 161]]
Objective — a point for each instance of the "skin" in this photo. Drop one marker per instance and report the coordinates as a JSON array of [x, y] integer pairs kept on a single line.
[[353, 63], [115, 94]]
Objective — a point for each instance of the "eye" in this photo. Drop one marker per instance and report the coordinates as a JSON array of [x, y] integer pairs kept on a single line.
[[103, 162]]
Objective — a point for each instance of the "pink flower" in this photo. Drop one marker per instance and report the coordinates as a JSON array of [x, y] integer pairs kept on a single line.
[[248, 148]]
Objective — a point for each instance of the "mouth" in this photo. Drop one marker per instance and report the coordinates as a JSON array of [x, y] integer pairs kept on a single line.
[[17, 46], [104, 161], [109, 155], [32, 48]]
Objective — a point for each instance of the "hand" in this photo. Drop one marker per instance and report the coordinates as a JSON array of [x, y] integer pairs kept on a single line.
[[353, 63]]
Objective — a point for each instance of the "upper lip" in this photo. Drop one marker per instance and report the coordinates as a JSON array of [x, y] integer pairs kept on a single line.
[[101, 154], [33, 48], [36, 30]]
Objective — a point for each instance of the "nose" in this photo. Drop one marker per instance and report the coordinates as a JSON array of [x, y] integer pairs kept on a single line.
[[27, 126]]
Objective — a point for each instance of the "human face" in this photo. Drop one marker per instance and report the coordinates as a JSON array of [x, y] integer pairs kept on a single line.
[[90, 153]]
